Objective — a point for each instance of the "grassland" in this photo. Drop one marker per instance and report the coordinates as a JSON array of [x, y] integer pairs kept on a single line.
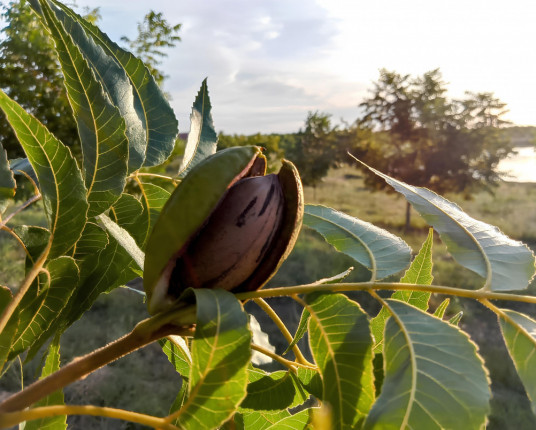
[[512, 208]]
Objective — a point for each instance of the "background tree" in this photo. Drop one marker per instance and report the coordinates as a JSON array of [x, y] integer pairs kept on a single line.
[[427, 140], [154, 35], [30, 73], [314, 149]]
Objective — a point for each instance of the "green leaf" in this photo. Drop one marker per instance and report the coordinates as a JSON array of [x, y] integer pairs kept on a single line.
[[420, 272], [434, 378], [273, 391], [440, 310], [7, 181], [180, 399], [19, 165], [34, 240], [341, 344], [128, 213], [100, 126], [506, 264], [311, 381], [260, 420], [220, 355], [113, 78], [300, 331], [7, 335], [202, 138], [99, 273], [302, 325], [160, 124], [178, 354], [40, 308], [62, 187], [124, 239], [52, 364], [297, 421], [93, 240], [455, 320], [519, 332], [153, 200], [376, 249]]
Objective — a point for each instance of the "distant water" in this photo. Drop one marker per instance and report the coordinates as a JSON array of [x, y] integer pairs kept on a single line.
[[520, 167]]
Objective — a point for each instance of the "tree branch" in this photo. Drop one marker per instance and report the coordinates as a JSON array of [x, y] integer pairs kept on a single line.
[[143, 334], [14, 418]]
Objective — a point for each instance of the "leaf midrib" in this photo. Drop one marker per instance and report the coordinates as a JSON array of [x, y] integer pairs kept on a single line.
[[95, 128]]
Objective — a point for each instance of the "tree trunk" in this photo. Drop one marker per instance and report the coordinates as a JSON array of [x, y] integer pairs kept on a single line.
[[408, 217]]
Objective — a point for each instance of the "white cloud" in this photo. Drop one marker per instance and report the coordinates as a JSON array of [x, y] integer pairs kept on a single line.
[[271, 61]]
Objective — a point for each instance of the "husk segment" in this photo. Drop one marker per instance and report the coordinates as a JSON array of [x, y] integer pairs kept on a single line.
[[191, 205], [188, 208]]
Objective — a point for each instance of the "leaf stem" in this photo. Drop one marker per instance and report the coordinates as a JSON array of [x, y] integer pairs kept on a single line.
[[27, 203], [145, 332], [395, 286], [155, 175], [26, 283], [291, 365], [14, 418], [282, 327]]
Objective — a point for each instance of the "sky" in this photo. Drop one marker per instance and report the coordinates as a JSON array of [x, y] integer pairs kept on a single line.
[[270, 62]]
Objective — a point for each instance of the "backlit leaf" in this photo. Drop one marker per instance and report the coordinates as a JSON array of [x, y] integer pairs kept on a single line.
[[40, 308], [519, 332], [441, 309], [178, 354], [300, 331], [93, 240], [434, 378], [124, 239], [100, 126], [420, 272], [273, 391], [341, 344], [62, 187], [296, 421], [100, 272], [153, 200], [202, 138], [311, 381], [378, 250], [113, 78], [505, 264], [52, 364], [259, 420], [127, 212], [160, 124], [220, 355]]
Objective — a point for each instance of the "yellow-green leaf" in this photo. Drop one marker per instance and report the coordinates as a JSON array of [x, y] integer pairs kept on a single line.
[[100, 125], [434, 377], [519, 332], [341, 344], [220, 355], [52, 364], [62, 187]]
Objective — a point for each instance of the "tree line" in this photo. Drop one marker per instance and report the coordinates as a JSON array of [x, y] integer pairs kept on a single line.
[[407, 128]]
